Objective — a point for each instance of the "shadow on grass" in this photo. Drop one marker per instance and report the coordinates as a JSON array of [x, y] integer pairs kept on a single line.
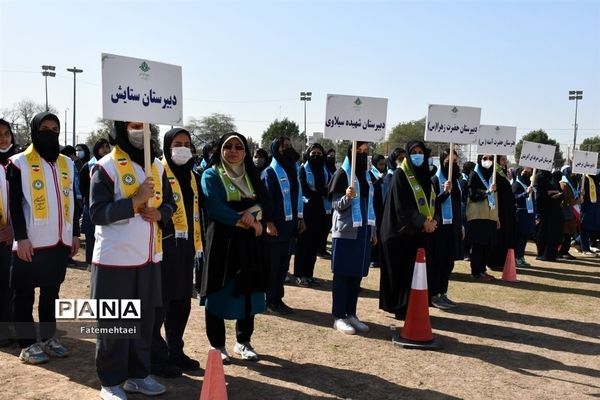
[[536, 287], [550, 274], [515, 335], [325, 286], [589, 329], [517, 361], [342, 383]]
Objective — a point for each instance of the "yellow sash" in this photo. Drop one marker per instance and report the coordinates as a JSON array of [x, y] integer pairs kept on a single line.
[[592, 185], [180, 216], [39, 194], [129, 187]]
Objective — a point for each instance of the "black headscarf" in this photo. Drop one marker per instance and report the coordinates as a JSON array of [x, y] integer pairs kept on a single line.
[[97, 146], [263, 154], [251, 171], [122, 140], [206, 150], [525, 179], [330, 162], [13, 146], [393, 157], [288, 164], [485, 172], [455, 169], [340, 181], [46, 146], [86, 151], [183, 173], [422, 172], [68, 151], [316, 166]]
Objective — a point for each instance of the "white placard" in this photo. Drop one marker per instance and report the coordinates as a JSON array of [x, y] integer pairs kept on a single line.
[[355, 118], [452, 124], [537, 155], [141, 90], [585, 162], [496, 139]]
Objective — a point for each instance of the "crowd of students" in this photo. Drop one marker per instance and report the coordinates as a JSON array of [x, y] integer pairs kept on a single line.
[[228, 225]]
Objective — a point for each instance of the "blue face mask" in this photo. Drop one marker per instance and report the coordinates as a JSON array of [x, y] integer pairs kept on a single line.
[[417, 159]]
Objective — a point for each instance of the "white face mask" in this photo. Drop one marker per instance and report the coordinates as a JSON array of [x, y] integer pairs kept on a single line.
[[486, 164], [180, 155], [80, 154], [136, 138]]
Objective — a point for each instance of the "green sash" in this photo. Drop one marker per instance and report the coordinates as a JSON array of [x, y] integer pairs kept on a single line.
[[233, 193], [425, 208]]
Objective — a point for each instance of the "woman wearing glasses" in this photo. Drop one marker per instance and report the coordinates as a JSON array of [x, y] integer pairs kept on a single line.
[[234, 278], [482, 216]]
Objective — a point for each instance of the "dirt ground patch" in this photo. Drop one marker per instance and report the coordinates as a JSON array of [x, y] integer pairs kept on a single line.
[[535, 339]]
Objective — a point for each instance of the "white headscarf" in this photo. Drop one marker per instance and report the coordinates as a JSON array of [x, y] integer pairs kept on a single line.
[[236, 172]]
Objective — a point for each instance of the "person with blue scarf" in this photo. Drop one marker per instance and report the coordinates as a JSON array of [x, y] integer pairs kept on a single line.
[[448, 242], [482, 216], [314, 178], [393, 162], [409, 223], [377, 173], [571, 210], [353, 226], [548, 196], [283, 188], [525, 222]]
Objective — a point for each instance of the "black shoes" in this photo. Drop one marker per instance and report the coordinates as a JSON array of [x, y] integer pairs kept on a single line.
[[185, 363]]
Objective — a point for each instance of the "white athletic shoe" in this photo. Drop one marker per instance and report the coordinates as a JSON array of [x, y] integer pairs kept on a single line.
[[344, 326], [112, 393], [224, 354], [246, 351]]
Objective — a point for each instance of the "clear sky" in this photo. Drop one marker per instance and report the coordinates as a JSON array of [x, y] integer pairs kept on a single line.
[[516, 60]]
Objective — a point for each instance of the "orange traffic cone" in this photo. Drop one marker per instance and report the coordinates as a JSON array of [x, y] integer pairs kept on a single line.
[[213, 386], [509, 273], [416, 333]]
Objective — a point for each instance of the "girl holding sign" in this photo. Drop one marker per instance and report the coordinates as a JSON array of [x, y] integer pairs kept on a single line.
[[482, 216], [409, 223], [449, 237], [525, 222], [130, 212], [353, 235]]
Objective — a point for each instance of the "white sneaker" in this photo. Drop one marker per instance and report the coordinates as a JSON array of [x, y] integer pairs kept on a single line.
[[246, 351], [54, 348], [224, 354], [357, 324], [148, 386], [112, 393], [344, 326], [33, 354]]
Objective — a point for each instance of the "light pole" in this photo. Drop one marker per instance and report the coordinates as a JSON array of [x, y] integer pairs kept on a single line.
[[66, 109], [305, 96], [47, 71], [575, 95], [75, 71]]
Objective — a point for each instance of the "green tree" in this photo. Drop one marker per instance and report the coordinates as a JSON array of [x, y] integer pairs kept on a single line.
[[540, 136], [286, 128], [20, 115], [209, 128], [591, 144]]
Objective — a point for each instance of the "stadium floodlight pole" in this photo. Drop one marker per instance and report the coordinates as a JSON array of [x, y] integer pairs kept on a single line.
[[47, 71], [305, 96], [575, 95], [75, 71]]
